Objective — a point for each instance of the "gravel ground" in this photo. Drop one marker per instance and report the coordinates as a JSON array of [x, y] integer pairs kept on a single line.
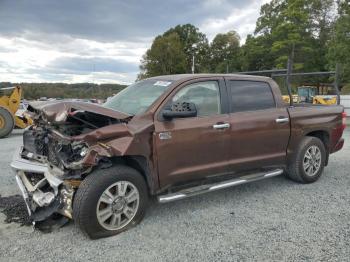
[[270, 220]]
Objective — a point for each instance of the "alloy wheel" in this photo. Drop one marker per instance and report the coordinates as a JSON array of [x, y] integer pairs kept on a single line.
[[118, 205], [312, 160]]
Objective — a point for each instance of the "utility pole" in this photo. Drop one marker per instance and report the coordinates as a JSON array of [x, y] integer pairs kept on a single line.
[[93, 73], [336, 82], [227, 55], [194, 46], [289, 72], [193, 63]]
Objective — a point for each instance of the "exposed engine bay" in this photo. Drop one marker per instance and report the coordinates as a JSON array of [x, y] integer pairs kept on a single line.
[[79, 122], [70, 120], [61, 157]]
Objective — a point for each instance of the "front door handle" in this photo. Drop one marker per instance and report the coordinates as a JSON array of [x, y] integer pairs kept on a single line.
[[221, 126], [282, 120]]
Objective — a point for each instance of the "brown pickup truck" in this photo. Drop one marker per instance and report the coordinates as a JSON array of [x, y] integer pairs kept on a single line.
[[167, 138]]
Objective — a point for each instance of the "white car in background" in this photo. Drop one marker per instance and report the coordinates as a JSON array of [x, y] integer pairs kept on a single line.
[[22, 109]]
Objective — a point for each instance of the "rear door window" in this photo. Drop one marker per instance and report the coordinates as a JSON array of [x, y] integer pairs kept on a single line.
[[250, 96]]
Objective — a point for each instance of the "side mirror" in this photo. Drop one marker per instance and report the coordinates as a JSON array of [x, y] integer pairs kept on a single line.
[[180, 110]]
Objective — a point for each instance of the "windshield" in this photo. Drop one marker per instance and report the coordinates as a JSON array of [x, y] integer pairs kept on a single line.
[[307, 91], [137, 98]]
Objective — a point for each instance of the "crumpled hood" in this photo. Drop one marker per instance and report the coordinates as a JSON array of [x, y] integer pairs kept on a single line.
[[58, 112]]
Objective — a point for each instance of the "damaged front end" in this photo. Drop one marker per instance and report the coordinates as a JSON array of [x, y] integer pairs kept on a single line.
[[47, 194], [58, 152]]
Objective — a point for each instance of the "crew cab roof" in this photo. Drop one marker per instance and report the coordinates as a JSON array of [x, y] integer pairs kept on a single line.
[[184, 77]]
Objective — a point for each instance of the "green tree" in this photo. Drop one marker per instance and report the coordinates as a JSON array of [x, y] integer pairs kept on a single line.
[[166, 56], [194, 42], [339, 46], [224, 51], [256, 54], [298, 29], [321, 21], [289, 32], [62, 90]]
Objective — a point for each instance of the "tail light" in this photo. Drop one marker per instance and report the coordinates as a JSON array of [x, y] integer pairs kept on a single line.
[[344, 120]]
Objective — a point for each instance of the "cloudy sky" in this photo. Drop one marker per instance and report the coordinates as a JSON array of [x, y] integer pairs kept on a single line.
[[102, 41]]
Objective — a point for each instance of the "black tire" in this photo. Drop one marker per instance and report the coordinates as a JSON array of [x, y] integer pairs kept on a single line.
[[295, 169], [7, 123], [88, 194]]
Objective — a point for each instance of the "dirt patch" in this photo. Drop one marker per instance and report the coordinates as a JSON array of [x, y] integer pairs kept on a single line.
[[15, 210]]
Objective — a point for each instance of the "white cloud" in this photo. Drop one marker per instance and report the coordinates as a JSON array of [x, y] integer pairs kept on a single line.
[[25, 56], [38, 52], [242, 20]]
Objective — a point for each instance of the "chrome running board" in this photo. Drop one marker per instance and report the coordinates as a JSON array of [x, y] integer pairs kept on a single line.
[[216, 186]]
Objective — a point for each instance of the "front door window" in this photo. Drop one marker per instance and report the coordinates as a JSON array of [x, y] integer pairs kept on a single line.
[[205, 95]]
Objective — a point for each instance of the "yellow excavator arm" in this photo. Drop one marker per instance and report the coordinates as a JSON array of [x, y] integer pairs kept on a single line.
[[321, 100], [311, 94]]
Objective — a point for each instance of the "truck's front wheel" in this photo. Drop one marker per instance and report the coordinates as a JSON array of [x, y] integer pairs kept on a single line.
[[110, 201], [308, 162]]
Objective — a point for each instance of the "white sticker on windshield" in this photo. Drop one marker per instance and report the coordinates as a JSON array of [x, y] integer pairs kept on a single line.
[[162, 83]]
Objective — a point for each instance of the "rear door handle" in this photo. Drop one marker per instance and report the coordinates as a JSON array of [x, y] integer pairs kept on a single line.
[[221, 126], [282, 120]]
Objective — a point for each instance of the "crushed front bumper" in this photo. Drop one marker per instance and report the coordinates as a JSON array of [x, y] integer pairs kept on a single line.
[[45, 193], [19, 163]]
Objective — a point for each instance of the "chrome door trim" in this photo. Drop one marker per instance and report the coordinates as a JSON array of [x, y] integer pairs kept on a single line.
[[221, 126]]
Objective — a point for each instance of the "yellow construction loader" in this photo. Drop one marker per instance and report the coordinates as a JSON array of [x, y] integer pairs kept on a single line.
[[313, 95], [10, 117]]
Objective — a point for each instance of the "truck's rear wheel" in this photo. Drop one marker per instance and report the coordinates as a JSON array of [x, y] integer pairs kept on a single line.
[[110, 201], [308, 162], [7, 122]]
